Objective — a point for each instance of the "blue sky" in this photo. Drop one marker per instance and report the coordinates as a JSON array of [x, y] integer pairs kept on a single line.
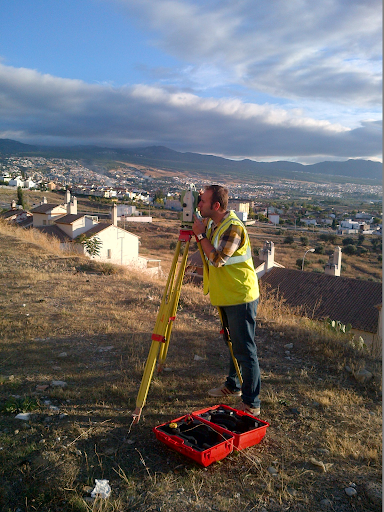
[[272, 80]]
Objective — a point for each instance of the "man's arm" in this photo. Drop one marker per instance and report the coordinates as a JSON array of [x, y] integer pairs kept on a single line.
[[230, 241]]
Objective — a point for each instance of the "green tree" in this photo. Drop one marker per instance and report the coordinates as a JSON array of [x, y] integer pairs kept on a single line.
[[362, 250], [299, 262], [91, 244], [361, 238], [349, 241], [350, 249], [334, 225], [20, 198]]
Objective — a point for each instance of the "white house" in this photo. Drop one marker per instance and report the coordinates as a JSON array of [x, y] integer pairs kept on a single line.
[[238, 206], [46, 213], [350, 224], [309, 222], [16, 182], [173, 204], [5, 178], [29, 184], [243, 216], [117, 245], [274, 218], [124, 210]]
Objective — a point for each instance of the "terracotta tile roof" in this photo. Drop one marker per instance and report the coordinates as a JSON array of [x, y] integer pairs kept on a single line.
[[54, 230], [26, 223], [47, 207], [97, 228], [11, 213], [104, 225], [322, 296], [257, 262], [68, 219]]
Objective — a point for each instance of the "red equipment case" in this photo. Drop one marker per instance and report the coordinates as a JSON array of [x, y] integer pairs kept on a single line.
[[240, 441], [221, 441]]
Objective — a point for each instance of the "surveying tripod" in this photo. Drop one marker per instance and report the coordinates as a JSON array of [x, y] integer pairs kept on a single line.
[[166, 316]]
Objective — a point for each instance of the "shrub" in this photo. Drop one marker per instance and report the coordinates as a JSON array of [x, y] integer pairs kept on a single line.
[[289, 239], [319, 249], [349, 241], [92, 244], [377, 244], [350, 249], [361, 238], [362, 250], [20, 198], [304, 240], [299, 262]]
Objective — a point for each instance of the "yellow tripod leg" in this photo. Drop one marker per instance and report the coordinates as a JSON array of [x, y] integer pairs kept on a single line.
[[173, 303], [146, 380], [163, 327], [158, 338]]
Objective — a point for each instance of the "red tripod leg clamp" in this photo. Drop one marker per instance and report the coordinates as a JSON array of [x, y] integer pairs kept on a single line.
[[158, 337]]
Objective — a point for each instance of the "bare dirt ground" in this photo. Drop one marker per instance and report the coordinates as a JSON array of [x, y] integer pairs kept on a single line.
[[64, 319]]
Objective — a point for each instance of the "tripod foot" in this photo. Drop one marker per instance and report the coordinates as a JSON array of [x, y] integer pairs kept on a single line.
[[136, 415]]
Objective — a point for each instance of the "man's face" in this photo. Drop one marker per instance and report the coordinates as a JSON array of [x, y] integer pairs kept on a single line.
[[205, 204]]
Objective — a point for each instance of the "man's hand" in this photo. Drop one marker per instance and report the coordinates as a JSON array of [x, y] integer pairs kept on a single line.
[[198, 226]]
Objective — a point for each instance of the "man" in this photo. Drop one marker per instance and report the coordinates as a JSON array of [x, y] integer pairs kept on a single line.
[[233, 288]]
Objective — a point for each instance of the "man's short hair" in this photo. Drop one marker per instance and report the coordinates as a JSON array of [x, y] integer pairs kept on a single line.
[[219, 195]]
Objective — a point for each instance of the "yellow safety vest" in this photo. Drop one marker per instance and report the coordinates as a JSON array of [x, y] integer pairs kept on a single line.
[[236, 281]]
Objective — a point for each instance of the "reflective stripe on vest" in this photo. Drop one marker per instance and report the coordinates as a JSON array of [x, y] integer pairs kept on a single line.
[[232, 260]]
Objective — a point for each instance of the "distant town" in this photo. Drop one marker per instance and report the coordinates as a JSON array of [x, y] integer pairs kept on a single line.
[[282, 201]]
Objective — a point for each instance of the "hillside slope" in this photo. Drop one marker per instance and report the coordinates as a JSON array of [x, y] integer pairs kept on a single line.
[[65, 319]]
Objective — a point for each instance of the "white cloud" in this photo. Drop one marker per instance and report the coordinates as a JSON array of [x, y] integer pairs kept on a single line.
[[47, 109], [326, 50]]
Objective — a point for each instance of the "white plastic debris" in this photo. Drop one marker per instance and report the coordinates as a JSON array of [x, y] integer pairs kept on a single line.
[[58, 384], [198, 358], [25, 416], [102, 489]]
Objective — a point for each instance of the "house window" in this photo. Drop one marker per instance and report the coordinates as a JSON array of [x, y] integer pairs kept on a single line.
[[109, 254], [44, 222]]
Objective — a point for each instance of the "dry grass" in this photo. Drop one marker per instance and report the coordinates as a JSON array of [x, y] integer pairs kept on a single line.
[[63, 318]]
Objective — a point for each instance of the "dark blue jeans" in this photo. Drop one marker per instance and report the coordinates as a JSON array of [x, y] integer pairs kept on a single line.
[[241, 323]]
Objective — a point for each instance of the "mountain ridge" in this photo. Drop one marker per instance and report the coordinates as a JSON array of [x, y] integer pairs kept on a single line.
[[169, 159]]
